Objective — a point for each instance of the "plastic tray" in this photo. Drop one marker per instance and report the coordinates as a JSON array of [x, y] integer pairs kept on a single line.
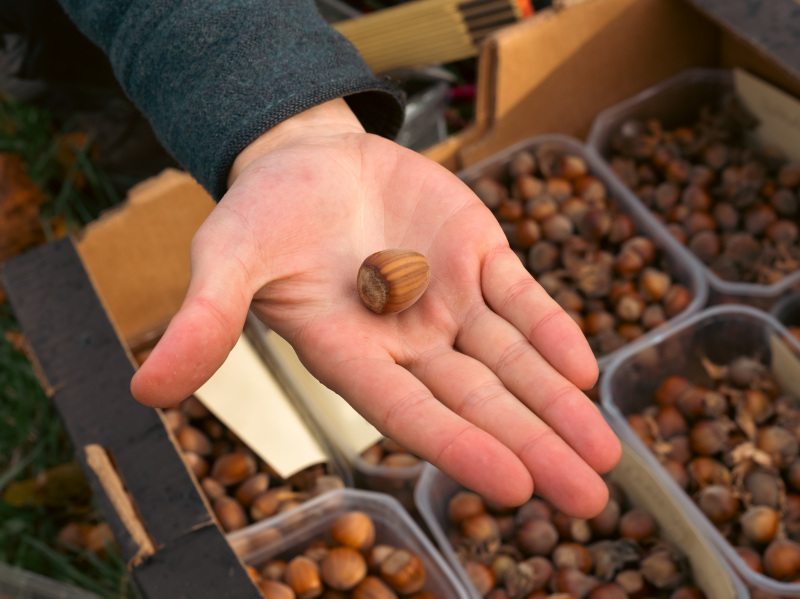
[[287, 536], [712, 574], [682, 266], [676, 101], [16, 583], [719, 333]]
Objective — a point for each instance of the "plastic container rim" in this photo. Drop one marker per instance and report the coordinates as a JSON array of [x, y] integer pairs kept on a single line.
[[616, 420], [616, 112]]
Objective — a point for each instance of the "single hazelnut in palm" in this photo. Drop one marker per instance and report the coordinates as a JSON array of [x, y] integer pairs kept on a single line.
[[391, 281]]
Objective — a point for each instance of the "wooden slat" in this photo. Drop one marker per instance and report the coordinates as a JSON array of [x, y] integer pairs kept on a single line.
[[86, 371]]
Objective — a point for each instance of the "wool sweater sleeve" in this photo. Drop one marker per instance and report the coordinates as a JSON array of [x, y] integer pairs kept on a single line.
[[212, 75]]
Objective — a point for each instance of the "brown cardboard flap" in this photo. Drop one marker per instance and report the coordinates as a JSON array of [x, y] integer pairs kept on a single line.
[[138, 253], [556, 72]]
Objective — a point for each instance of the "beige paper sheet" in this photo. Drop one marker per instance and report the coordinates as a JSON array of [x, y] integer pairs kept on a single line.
[[778, 112], [244, 395], [347, 428], [785, 365]]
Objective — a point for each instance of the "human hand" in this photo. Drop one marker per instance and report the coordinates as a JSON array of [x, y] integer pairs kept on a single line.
[[481, 376]]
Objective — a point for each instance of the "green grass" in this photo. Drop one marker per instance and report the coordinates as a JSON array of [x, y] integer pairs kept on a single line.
[[32, 437]]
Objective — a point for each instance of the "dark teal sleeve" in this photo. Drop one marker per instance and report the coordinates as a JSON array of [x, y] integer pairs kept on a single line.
[[212, 75]]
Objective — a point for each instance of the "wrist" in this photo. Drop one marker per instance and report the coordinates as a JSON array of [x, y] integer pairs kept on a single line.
[[331, 118]]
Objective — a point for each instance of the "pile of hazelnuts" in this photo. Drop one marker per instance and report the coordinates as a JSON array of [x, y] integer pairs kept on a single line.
[[731, 443], [735, 207], [240, 487], [581, 247], [536, 551], [348, 561]]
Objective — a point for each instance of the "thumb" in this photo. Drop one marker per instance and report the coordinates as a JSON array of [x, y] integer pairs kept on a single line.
[[200, 336]]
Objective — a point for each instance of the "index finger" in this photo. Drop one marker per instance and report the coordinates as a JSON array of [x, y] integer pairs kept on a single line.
[[402, 408]]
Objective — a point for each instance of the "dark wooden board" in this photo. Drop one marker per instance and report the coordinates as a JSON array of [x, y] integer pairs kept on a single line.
[[86, 371]]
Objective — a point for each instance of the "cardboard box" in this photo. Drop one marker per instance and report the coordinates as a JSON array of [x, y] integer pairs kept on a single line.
[[554, 72], [82, 311]]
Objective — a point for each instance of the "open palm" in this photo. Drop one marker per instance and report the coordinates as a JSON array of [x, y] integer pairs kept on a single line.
[[481, 376]]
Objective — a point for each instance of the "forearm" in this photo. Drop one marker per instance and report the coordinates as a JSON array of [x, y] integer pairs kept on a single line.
[[212, 77]]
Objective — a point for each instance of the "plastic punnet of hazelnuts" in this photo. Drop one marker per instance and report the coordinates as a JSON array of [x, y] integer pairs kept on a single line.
[[240, 487], [733, 446], [592, 255], [733, 205], [537, 551], [352, 544]]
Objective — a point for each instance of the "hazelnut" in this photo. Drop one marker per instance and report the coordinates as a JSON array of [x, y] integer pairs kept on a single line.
[[354, 529], [759, 524], [273, 570], [536, 537], [653, 316], [765, 487], [541, 207], [718, 503], [464, 504], [725, 216], [234, 467], [230, 513], [196, 463], [559, 188], [373, 587], [174, 419], [781, 559], [481, 577], [654, 284], [758, 218], [676, 300], [606, 523], [751, 558], [194, 440], [542, 257], [660, 570], [302, 575], [706, 245], [527, 233], [482, 529], [557, 227], [572, 555], [670, 388], [273, 589], [522, 163], [342, 568], [376, 555], [212, 488], [391, 281], [708, 437], [637, 524], [704, 471], [489, 191], [510, 210], [781, 445], [403, 571], [252, 486]]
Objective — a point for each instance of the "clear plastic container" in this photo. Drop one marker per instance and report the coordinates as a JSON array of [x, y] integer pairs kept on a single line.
[[287, 536], [642, 488], [399, 482], [720, 334], [16, 583], [787, 310], [675, 102], [681, 265]]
